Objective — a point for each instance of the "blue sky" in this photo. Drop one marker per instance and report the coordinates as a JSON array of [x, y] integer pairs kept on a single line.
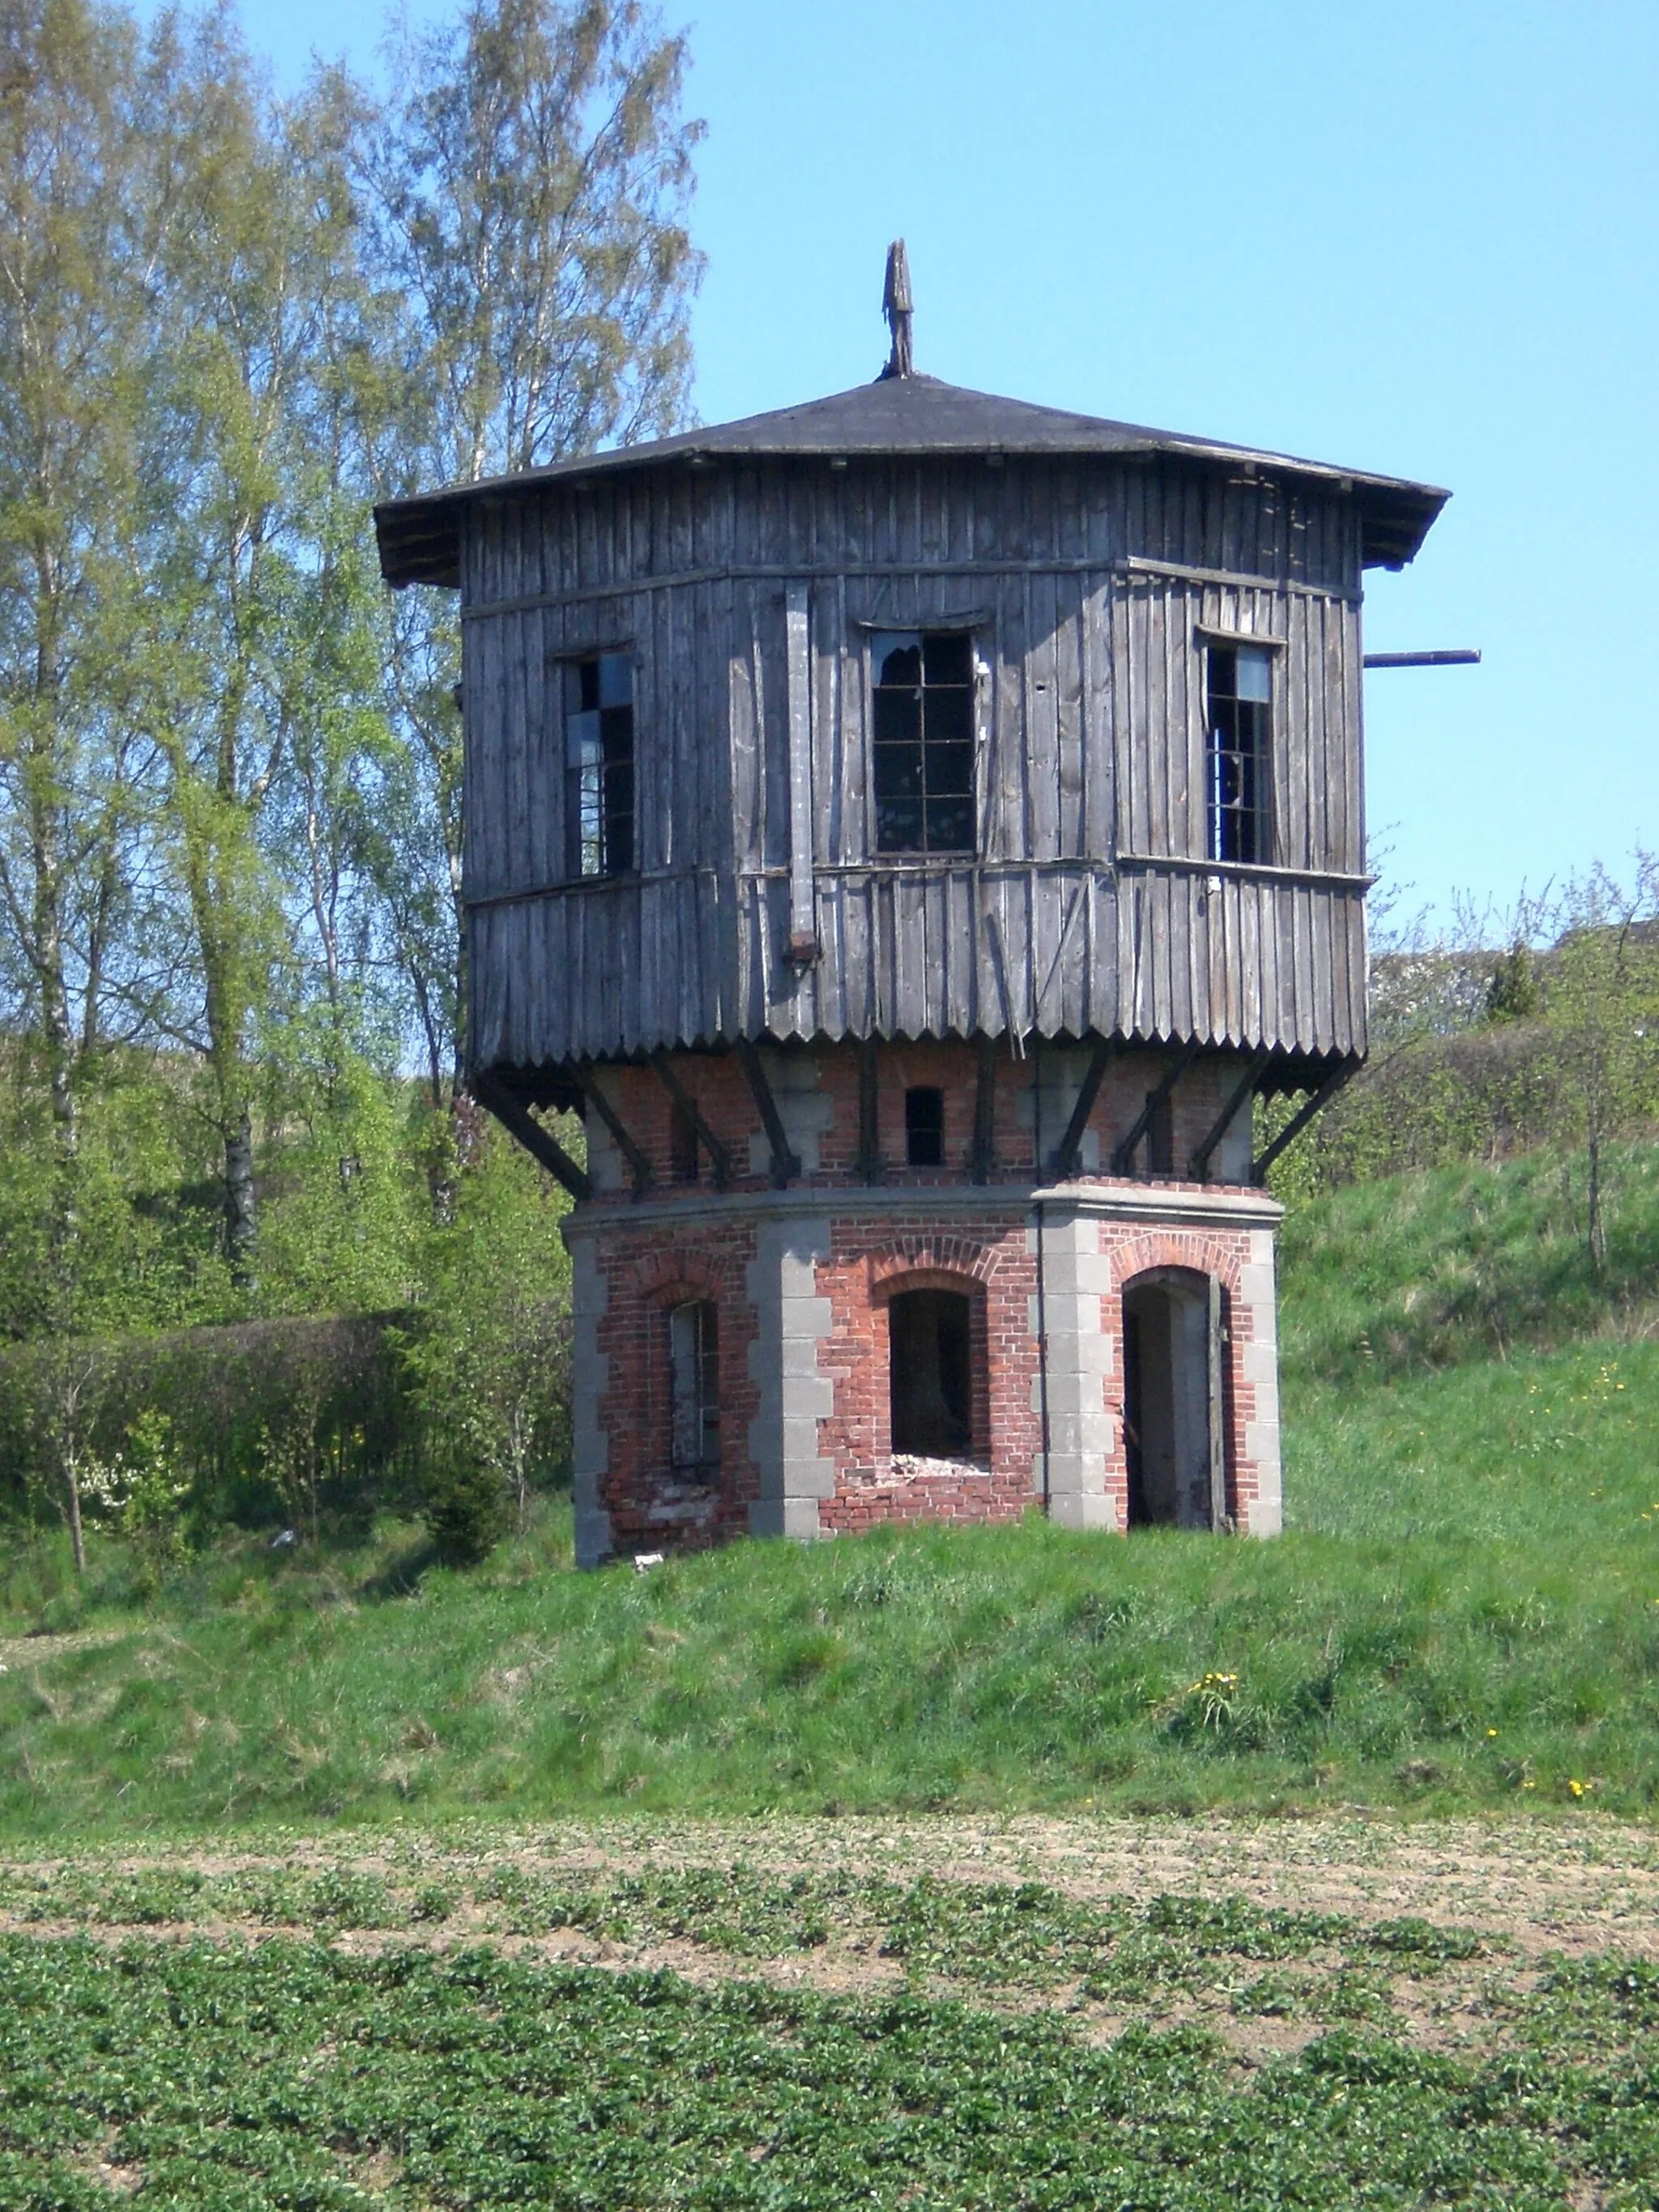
[[1407, 237]]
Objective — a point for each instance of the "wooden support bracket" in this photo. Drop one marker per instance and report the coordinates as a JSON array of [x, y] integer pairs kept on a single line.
[[870, 1165], [785, 1165], [639, 1166], [1123, 1159], [1198, 1166], [985, 1112], [1063, 1160], [518, 1121], [1299, 1121], [720, 1154]]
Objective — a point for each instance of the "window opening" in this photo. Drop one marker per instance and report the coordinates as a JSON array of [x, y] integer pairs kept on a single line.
[[694, 1387], [924, 1128], [924, 741], [1240, 688], [682, 1143], [929, 1343], [599, 735]]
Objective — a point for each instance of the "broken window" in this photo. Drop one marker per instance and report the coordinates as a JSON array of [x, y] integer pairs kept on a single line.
[[694, 1387], [599, 736], [924, 740], [924, 1128], [1240, 746], [930, 1350]]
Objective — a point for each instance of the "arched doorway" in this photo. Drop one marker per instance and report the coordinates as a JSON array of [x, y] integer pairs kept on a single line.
[[1174, 1419]]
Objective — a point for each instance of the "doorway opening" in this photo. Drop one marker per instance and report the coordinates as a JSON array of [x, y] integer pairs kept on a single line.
[[1174, 1419], [930, 1350]]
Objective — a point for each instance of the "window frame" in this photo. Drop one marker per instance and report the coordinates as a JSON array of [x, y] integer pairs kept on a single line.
[[696, 1459], [607, 865], [954, 630], [1262, 755]]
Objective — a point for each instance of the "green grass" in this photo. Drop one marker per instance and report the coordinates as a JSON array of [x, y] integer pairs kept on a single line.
[[1464, 1612], [212, 2073]]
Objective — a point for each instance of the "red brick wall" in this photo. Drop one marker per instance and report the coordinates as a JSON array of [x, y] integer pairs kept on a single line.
[[646, 1271], [872, 1256], [649, 1266]]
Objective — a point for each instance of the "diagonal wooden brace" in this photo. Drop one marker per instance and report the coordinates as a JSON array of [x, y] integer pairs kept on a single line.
[[1198, 1166], [1123, 1159], [1299, 1121], [1063, 1160], [720, 1154], [638, 1164], [517, 1119], [785, 1165]]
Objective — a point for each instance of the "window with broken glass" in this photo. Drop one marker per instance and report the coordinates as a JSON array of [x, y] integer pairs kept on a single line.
[[924, 740], [694, 1387], [599, 736], [1240, 749]]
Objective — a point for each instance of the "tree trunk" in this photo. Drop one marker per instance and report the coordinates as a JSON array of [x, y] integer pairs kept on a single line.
[[72, 1499], [1598, 1233], [240, 1218]]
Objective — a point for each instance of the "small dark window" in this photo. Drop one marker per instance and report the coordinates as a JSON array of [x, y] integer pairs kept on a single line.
[[930, 1350], [681, 1145], [924, 1128], [694, 1387], [1160, 1138], [598, 740], [1240, 748], [924, 741]]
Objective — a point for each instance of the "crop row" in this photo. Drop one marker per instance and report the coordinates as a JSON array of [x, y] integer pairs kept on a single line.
[[242, 2077]]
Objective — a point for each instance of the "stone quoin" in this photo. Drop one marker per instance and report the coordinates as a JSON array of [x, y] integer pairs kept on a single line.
[[914, 830]]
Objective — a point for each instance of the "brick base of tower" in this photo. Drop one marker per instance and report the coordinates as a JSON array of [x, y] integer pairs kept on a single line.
[[802, 1280]]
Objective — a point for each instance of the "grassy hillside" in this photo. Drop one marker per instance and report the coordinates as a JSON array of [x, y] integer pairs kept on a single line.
[[1465, 1610]]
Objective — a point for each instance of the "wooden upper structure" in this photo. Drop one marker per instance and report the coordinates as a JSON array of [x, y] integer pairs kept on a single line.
[[744, 572]]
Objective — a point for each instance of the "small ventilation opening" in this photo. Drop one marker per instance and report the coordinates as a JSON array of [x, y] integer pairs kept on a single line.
[[1160, 1139], [929, 1338], [924, 1128], [682, 1144]]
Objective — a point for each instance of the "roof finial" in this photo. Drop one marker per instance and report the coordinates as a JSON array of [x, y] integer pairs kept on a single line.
[[896, 304]]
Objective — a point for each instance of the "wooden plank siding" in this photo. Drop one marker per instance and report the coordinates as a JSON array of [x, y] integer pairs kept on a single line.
[[1091, 586]]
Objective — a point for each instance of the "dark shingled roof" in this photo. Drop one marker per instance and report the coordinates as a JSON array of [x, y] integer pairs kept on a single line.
[[419, 538]]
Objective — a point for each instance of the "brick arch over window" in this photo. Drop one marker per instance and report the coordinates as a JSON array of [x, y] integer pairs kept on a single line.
[[1178, 1251], [665, 1278], [955, 1260]]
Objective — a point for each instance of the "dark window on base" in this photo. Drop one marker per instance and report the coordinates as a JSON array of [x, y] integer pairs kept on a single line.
[[924, 741], [924, 1128], [694, 1387], [929, 1340], [1240, 749], [599, 750]]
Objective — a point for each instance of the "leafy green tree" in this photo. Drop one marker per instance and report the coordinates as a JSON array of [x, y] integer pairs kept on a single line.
[[75, 333], [491, 1361], [1601, 1008], [528, 188]]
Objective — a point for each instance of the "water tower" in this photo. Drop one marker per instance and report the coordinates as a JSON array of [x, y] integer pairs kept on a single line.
[[912, 828]]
